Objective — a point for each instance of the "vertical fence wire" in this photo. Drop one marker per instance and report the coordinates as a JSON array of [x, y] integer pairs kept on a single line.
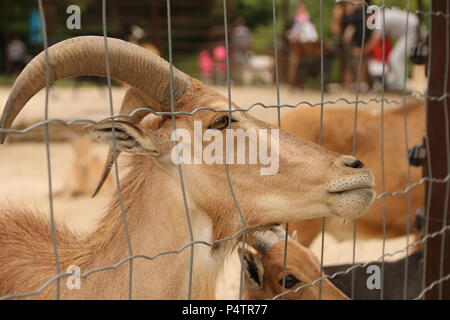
[[47, 149], [409, 177], [180, 169], [227, 169], [383, 178], [275, 45], [123, 213], [427, 210], [447, 150], [355, 134], [428, 154], [322, 249], [277, 87], [234, 198]]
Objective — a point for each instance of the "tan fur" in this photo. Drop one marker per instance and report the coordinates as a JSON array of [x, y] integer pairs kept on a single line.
[[154, 209], [150, 47], [301, 263], [84, 170], [338, 136]]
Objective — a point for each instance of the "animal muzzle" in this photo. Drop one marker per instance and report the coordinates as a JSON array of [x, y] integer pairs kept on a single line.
[[352, 188]]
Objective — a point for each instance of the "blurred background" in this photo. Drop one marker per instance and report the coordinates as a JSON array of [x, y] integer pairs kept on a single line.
[[198, 42], [198, 35]]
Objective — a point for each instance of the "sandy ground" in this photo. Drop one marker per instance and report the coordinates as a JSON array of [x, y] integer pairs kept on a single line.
[[23, 167]]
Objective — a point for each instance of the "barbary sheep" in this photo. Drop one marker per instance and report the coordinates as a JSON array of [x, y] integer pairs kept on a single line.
[[331, 184], [264, 273], [338, 136]]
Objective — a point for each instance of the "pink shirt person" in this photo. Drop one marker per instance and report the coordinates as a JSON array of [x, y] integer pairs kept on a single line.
[[220, 55], [205, 63]]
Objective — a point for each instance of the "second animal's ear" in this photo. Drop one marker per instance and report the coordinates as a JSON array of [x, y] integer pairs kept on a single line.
[[253, 268], [294, 236], [129, 137]]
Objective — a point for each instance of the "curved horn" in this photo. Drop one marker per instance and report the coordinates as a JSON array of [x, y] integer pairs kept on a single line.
[[294, 235], [85, 55], [133, 99]]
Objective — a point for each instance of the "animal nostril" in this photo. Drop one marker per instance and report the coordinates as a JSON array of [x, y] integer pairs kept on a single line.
[[354, 163]]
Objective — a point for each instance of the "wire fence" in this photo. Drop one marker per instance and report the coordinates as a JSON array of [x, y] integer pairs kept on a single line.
[[242, 234]]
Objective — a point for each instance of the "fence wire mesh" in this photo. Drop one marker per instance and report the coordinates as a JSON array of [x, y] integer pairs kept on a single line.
[[245, 228]]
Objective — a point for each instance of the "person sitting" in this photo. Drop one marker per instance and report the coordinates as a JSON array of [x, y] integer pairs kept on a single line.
[[302, 30], [402, 27]]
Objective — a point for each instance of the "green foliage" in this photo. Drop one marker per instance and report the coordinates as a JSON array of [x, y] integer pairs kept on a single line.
[[262, 38], [255, 12], [314, 12]]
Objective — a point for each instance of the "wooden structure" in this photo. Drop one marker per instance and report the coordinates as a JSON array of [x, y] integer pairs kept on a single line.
[[438, 129]]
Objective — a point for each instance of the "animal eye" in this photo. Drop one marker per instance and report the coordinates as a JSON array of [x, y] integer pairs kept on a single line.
[[289, 281], [221, 123]]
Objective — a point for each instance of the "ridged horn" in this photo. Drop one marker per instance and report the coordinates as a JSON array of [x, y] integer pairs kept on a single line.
[[133, 99], [85, 55]]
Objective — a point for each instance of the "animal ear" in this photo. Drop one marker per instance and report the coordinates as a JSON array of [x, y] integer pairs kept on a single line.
[[129, 137], [294, 236], [253, 268]]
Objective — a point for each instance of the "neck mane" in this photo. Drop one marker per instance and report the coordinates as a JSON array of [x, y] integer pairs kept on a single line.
[[154, 226]]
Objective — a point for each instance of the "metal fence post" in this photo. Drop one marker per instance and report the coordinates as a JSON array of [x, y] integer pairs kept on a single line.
[[437, 131]]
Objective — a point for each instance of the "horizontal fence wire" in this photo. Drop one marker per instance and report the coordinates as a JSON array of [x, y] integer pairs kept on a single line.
[[214, 243], [410, 186], [362, 265], [241, 234], [189, 113]]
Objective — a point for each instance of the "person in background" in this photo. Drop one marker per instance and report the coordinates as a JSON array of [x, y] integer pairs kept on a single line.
[[395, 28], [302, 30], [376, 61], [16, 51], [302, 39], [138, 36], [220, 64], [353, 28], [241, 42], [206, 65], [336, 28]]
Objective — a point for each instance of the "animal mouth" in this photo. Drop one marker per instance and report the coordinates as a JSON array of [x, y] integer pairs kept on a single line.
[[350, 184], [352, 190]]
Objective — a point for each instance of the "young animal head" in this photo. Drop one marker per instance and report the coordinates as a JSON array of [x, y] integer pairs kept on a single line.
[[311, 181], [265, 275], [84, 169]]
